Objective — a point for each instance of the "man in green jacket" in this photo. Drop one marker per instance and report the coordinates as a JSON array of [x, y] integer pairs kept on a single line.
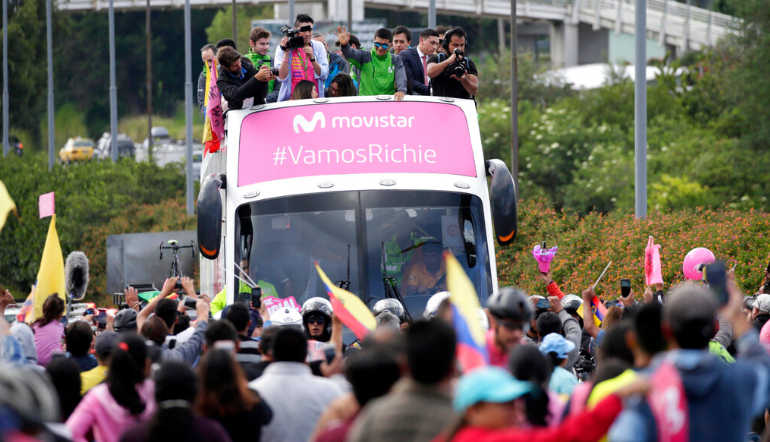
[[382, 73]]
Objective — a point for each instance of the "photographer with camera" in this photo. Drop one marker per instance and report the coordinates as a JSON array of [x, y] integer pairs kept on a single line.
[[240, 83], [298, 57], [454, 75], [382, 73]]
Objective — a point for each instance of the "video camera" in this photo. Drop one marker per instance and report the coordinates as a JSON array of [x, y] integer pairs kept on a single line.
[[296, 41], [460, 66]]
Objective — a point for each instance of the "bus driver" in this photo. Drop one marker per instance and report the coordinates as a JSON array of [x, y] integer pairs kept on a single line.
[[425, 273]]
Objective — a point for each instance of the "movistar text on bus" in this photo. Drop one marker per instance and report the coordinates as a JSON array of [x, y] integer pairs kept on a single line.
[[355, 122]]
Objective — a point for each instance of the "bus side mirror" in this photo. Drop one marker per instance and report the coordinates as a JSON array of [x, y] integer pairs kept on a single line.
[[504, 201], [210, 216]]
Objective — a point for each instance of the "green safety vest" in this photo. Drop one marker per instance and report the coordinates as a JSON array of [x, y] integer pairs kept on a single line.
[[395, 261], [220, 300], [718, 349]]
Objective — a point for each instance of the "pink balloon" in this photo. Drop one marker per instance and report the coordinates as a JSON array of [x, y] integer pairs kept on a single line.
[[693, 260]]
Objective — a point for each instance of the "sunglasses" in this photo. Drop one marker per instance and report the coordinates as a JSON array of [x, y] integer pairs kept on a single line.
[[306, 28], [382, 45], [319, 321]]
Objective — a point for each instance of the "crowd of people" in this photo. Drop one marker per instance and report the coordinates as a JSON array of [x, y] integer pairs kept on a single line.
[[303, 66], [672, 365]]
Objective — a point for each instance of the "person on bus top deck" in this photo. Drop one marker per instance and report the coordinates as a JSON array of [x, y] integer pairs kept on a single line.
[[259, 46], [511, 312], [425, 273], [308, 63], [317, 319], [382, 73], [446, 81], [240, 83]]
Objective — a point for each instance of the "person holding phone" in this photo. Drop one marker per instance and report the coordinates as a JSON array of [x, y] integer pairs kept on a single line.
[[721, 399]]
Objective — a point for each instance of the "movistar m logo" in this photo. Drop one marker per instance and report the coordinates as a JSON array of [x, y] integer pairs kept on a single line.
[[309, 126]]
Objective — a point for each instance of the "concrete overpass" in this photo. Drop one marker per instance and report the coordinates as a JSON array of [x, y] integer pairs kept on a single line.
[[575, 26]]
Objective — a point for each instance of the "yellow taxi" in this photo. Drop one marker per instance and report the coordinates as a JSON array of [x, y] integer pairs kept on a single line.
[[77, 149]]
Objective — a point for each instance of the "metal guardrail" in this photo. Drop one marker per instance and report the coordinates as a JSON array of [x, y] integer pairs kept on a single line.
[[670, 21]]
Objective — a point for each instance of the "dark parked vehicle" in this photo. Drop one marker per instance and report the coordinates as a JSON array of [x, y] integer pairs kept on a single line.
[[125, 147]]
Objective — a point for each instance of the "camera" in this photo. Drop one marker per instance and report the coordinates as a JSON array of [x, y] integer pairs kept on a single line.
[[274, 71], [296, 41], [460, 66]]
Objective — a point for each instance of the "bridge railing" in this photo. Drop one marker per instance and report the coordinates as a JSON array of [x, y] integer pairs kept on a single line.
[[670, 21]]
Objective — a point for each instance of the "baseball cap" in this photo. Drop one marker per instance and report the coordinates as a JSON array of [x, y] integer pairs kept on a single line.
[[488, 384], [104, 344], [554, 342], [762, 303]]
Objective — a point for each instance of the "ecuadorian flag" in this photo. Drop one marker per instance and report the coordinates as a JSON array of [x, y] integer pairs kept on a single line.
[[471, 348]]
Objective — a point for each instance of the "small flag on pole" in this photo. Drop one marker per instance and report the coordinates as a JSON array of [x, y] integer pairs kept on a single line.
[[45, 204]]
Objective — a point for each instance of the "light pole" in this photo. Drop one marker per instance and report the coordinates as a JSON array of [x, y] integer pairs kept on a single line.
[[514, 101], [113, 88], [188, 116], [49, 50], [640, 111]]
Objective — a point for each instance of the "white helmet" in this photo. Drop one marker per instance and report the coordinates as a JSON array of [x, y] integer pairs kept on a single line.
[[286, 316], [431, 307], [571, 302], [484, 320], [391, 305], [317, 304]]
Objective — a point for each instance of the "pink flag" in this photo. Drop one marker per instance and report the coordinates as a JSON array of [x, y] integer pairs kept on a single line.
[[46, 204], [668, 402], [652, 271], [214, 108], [544, 257]]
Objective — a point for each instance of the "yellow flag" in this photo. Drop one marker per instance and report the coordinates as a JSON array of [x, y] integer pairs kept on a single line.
[[206, 123], [6, 205], [463, 295], [50, 276]]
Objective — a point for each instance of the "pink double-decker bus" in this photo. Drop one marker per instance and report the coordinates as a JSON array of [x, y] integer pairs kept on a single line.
[[372, 189]]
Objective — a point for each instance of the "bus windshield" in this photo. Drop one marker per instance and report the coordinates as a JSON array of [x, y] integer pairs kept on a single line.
[[375, 243]]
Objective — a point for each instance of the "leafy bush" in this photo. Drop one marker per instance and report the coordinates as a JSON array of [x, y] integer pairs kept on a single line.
[[587, 243], [88, 194]]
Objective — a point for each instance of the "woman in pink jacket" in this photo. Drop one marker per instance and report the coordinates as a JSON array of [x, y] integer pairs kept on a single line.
[[49, 330], [125, 399]]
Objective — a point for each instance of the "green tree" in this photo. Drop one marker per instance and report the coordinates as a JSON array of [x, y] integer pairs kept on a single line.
[[222, 24], [26, 66], [752, 79]]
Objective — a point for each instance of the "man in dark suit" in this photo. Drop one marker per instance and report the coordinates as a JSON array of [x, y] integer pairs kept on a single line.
[[416, 61]]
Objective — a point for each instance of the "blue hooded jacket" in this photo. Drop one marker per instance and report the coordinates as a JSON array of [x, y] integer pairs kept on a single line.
[[722, 398]]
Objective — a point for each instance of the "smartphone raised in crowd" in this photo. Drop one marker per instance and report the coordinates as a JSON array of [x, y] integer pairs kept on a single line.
[[715, 275], [625, 287]]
